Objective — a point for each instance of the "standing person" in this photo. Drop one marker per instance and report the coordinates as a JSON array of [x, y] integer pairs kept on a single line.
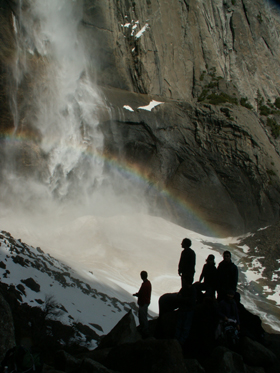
[[227, 276], [144, 299], [186, 267], [209, 275]]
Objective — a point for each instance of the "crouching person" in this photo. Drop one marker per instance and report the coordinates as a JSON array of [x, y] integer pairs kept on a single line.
[[144, 299], [230, 323]]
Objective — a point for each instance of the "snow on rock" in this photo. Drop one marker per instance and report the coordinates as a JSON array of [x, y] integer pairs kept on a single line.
[[151, 105], [141, 32], [43, 277], [127, 107]]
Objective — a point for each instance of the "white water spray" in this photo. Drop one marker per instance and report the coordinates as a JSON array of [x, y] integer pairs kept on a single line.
[[64, 101], [61, 106]]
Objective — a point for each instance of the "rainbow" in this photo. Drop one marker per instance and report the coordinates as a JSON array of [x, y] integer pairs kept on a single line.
[[140, 176], [182, 206]]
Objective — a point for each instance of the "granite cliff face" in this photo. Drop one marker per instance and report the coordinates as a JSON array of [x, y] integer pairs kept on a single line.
[[184, 42], [214, 65]]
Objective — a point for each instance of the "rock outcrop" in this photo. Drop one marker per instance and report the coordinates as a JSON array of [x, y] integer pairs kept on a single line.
[[167, 355], [7, 338], [63, 347]]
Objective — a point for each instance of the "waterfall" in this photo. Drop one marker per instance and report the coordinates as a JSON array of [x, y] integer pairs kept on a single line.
[[54, 169], [60, 102]]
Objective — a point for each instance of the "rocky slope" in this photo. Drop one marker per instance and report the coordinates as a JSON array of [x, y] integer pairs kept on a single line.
[[41, 289], [214, 142], [50, 327]]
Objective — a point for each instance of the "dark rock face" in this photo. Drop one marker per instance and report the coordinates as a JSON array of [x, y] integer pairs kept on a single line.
[[7, 339], [217, 166], [257, 355], [149, 356], [214, 158]]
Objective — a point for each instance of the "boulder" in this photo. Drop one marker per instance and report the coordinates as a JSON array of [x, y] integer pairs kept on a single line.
[[193, 366], [99, 355], [32, 284], [67, 363], [224, 360], [149, 355], [124, 332], [256, 354], [91, 366], [256, 370]]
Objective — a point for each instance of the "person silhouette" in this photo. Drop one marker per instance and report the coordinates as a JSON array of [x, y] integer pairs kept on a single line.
[[186, 267], [227, 276], [209, 275], [144, 299]]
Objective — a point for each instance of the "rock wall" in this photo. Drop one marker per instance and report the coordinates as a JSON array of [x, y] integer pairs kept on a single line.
[[221, 167], [183, 41], [221, 160], [214, 143]]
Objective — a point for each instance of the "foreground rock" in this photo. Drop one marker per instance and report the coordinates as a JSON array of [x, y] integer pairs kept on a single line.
[[148, 356], [123, 350], [124, 332], [7, 333]]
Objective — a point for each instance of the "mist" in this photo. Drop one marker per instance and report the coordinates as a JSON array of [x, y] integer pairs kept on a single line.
[[57, 190], [53, 176]]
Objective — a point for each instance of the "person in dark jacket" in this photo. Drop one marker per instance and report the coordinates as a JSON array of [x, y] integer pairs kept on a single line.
[[228, 308], [186, 267], [209, 275], [144, 299], [230, 322], [227, 273]]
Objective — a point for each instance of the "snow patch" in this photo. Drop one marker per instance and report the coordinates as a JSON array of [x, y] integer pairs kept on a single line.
[[141, 32], [151, 105], [127, 107]]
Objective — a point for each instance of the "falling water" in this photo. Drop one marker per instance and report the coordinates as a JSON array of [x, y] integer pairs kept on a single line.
[[56, 108], [63, 105]]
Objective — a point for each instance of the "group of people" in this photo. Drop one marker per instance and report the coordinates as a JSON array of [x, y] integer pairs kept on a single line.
[[216, 284], [223, 279]]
